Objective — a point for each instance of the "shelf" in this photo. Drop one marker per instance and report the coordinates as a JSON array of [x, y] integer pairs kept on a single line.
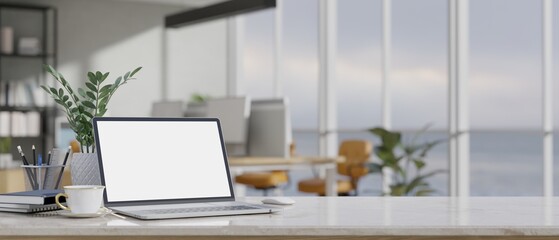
[[26, 56], [25, 6], [42, 24], [24, 108]]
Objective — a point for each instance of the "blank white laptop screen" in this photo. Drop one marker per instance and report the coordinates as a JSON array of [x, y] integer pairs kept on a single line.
[[161, 160]]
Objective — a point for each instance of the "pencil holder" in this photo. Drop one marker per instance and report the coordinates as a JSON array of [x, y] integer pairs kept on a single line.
[[42, 177]]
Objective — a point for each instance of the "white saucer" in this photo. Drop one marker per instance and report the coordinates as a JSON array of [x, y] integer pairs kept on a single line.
[[101, 212]]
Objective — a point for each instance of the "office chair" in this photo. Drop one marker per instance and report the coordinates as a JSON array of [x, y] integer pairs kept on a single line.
[[263, 180], [266, 180], [356, 153]]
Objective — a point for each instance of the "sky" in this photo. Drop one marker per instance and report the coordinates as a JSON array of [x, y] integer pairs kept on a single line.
[[505, 62]]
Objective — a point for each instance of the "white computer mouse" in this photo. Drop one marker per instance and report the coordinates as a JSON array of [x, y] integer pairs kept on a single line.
[[278, 201]]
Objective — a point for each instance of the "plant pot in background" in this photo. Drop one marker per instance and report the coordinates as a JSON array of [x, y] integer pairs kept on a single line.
[[85, 169]]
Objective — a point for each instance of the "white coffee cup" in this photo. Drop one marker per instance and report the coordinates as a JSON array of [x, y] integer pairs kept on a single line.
[[82, 198]]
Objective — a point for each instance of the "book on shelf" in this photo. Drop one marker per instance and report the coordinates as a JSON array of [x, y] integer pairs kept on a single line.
[[21, 93], [36, 197], [5, 126], [27, 208]]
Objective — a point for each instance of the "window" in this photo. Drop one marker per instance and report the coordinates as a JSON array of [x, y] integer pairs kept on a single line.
[[300, 71], [419, 78], [505, 97], [259, 46]]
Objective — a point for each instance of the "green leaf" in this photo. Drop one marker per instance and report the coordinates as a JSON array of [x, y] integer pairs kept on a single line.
[[104, 77], [385, 154], [89, 115], [45, 88], [374, 167], [126, 75], [398, 190], [69, 103], [91, 77], [65, 98], [54, 91], [418, 181], [389, 139], [98, 75], [106, 88], [51, 70], [60, 92], [135, 71], [74, 110], [60, 77], [419, 164], [63, 81], [117, 82], [424, 192], [101, 112], [91, 86], [91, 95], [59, 102], [82, 92], [88, 104]]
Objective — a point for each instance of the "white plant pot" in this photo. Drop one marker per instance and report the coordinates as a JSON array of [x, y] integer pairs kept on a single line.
[[84, 168]]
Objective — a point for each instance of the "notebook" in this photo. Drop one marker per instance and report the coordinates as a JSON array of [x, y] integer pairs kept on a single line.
[[37, 197], [27, 208], [159, 168]]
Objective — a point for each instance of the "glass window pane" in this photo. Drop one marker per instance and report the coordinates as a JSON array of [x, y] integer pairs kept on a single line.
[[358, 64], [505, 97], [506, 163], [300, 66], [419, 64], [300, 70], [259, 47]]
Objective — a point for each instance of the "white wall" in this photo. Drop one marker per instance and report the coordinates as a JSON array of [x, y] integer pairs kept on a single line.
[[198, 60], [115, 36]]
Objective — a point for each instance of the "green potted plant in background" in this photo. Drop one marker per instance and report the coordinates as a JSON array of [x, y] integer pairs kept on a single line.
[[80, 107], [405, 162]]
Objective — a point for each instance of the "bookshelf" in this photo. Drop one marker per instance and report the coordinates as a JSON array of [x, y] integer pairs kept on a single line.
[[28, 40]]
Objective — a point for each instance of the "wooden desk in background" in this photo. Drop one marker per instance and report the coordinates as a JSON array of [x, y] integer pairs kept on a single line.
[[325, 165]]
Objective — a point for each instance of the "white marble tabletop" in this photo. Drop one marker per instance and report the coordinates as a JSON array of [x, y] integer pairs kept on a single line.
[[326, 216]]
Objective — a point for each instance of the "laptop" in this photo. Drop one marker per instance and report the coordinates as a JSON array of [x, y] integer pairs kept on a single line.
[[160, 168]]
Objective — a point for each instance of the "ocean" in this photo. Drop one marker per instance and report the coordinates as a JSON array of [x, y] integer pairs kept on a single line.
[[501, 163]]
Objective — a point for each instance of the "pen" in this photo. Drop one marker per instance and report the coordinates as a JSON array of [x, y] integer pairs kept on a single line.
[[40, 170], [30, 175], [62, 169]]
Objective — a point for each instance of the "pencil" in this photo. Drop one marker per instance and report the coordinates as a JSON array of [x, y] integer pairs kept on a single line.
[[48, 159], [30, 175], [34, 156], [62, 169], [35, 163]]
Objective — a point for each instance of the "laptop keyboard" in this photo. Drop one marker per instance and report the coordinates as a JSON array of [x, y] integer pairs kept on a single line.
[[200, 209]]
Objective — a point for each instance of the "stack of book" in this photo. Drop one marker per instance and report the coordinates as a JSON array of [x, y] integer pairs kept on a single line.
[[29, 201]]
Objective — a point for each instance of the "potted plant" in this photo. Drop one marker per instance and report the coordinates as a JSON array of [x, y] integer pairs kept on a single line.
[[80, 107], [404, 163]]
